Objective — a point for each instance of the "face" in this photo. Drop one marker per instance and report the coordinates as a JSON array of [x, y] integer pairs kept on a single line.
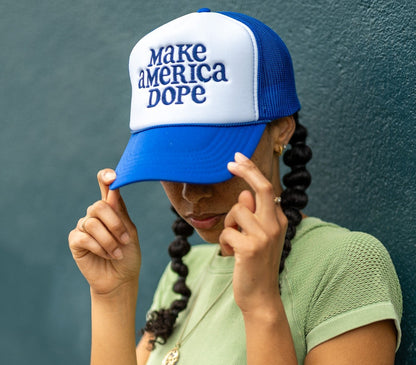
[[205, 206]]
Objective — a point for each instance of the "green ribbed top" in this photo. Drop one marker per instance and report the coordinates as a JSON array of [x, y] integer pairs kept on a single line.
[[334, 280]]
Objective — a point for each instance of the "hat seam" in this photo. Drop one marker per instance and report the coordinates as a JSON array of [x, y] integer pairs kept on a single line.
[[216, 125], [254, 50]]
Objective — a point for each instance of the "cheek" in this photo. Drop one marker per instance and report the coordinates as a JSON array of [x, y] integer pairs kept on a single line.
[[237, 185], [265, 165], [173, 191]]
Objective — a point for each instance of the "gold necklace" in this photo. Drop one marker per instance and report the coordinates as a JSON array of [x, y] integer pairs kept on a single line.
[[172, 357]]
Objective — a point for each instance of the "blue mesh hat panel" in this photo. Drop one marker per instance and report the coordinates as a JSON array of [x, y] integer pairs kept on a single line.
[[276, 81]]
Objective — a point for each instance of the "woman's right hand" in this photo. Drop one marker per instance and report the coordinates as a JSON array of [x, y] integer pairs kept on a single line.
[[104, 243]]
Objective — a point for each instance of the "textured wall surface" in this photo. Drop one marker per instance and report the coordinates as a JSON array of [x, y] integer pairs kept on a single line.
[[64, 102]]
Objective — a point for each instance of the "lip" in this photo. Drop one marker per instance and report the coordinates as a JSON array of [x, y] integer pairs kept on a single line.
[[206, 221]]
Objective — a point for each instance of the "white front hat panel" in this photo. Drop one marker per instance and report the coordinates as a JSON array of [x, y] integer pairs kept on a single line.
[[182, 77]]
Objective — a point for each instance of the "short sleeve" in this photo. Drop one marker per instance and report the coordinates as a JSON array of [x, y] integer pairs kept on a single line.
[[358, 286]]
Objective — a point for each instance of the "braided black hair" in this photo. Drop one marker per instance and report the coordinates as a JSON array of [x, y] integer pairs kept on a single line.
[[160, 323], [297, 180]]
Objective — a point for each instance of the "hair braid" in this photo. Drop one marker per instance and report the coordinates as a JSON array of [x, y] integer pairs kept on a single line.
[[294, 197], [160, 322]]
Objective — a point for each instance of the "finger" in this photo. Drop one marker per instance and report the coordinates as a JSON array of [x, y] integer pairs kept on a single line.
[[230, 241], [281, 217], [82, 243], [80, 224], [263, 189], [241, 218], [113, 197], [105, 177], [95, 228], [111, 220], [246, 198], [226, 249], [116, 201]]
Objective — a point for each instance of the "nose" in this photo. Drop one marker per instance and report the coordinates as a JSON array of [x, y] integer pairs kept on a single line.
[[193, 193]]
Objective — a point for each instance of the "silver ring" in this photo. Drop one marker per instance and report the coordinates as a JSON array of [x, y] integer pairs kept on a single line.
[[277, 200]]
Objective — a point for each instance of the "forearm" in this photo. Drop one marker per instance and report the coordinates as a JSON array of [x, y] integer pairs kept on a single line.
[[268, 337], [113, 327]]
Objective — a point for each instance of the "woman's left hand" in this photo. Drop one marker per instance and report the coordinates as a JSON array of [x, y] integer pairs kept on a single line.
[[254, 231]]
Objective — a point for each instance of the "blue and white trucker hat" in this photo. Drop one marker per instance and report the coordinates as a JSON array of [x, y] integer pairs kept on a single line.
[[204, 86]]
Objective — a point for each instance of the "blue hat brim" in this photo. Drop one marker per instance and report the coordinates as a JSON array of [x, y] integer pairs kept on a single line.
[[196, 154]]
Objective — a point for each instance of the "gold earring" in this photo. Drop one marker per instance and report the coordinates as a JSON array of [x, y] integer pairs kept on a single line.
[[280, 151]]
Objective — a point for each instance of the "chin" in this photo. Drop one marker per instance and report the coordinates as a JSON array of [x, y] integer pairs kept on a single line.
[[209, 237]]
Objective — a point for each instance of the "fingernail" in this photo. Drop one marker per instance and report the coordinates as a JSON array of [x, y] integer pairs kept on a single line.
[[118, 254], [109, 175], [239, 157], [125, 238], [232, 165]]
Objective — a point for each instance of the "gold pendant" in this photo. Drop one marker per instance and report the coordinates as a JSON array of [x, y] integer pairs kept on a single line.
[[172, 357]]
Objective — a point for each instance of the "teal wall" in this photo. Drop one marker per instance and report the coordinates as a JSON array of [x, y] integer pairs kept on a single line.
[[64, 103]]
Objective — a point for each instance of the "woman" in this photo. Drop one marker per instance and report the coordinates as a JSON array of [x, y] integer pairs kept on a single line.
[[213, 107]]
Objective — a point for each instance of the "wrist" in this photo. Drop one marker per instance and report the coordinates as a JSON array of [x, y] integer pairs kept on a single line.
[[268, 313], [123, 293], [113, 325], [268, 335], [115, 310]]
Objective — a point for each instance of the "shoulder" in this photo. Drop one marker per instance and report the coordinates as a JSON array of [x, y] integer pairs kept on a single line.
[[340, 277], [325, 252], [330, 244]]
